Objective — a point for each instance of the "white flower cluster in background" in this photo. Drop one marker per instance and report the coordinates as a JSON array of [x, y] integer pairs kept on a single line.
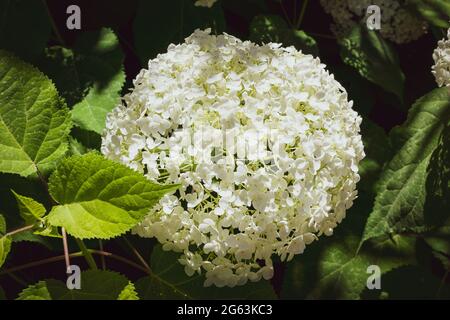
[[235, 210], [397, 23], [441, 56], [205, 3]]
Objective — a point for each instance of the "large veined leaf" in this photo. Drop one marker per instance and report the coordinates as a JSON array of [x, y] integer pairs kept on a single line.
[[95, 285], [34, 121], [373, 58], [436, 12], [169, 281], [179, 17], [402, 189], [24, 27], [5, 241], [100, 198], [272, 28]]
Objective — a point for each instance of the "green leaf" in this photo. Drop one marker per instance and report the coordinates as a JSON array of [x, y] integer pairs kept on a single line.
[[373, 58], [2, 225], [100, 198], [99, 64], [169, 281], [95, 285], [2, 294], [179, 17], [335, 270], [25, 27], [34, 121], [359, 89], [5, 241], [30, 210], [128, 293], [76, 148], [272, 28], [436, 12], [378, 150], [36, 291], [410, 282], [399, 205]]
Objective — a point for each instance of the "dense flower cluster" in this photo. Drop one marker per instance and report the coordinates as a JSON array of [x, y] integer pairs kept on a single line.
[[236, 209], [441, 56], [205, 3], [397, 24]]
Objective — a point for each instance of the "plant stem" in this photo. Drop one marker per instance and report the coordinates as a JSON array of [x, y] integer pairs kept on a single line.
[[138, 255], [286, 15], [302, 14], [52, 22], [321, 35], [66, 249], [87, 255], [102, 258], [72, 255], [11, 233]]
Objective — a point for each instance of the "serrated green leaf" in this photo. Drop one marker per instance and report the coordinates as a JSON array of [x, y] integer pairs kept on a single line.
[[128, 293], [34, 122], [5, 247], [5, 241], [76, 148], [100, 198], [169, 281], [30, 210], [180, 19], [2, 225], [399, 205], [99, 64], [36, 291], [25, 27], [373, 58], [436, 12], [272, 28], [95, 285]]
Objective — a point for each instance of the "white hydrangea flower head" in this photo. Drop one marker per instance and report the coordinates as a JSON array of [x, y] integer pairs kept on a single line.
[[205, 3], [397, 23], [236, 210], [441, 67]]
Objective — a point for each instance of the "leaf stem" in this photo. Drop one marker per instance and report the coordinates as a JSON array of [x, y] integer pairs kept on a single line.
[[286, 15], [72, 255], [302, 14], [102, 258], [138, 255], [52, 22], [87, 255], [66, 249], [26, 228]]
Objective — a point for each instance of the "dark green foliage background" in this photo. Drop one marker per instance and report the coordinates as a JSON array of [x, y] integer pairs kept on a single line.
[[400, 221]]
